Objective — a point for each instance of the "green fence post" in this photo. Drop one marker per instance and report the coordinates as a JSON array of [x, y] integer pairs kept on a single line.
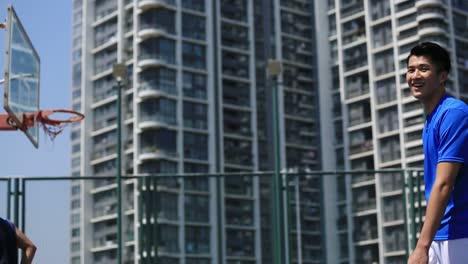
[[16, 202], [140, 217], [420, 212], [405, 213], [278, 238], [154, 235], [8, 199], [288, 218], [119, 71], [23, 205], [412, 214]]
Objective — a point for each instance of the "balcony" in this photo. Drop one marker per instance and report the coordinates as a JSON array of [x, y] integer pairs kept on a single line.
[[429, 28], [356, 89], [364, 204], [153, 152], [155, 88], [104, 9], [194, 5], [351, 8], [156, 120], [430, 13], [147, 4], [430, 3], [152, 31], [154, 60], [366, 235], [361, 147]]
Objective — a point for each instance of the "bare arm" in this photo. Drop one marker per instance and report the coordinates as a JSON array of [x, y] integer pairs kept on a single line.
[[27, 246], [440, 194]]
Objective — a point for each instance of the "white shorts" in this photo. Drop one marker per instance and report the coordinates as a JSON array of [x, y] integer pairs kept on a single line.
[[449, 251]]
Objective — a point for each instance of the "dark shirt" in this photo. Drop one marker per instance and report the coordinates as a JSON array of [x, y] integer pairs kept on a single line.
[[8, 247]]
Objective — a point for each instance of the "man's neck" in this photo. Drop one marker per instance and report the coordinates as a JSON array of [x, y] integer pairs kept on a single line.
[[431, 103]]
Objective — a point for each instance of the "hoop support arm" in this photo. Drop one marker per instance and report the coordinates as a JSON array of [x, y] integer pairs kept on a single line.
[[7, 122]]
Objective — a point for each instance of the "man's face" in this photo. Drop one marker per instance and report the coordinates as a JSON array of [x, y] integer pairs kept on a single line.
[[423, 77]]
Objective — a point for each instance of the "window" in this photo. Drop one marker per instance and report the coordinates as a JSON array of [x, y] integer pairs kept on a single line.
[[161, 19], [198, 5], [76, 189], [168, 238], [390, 149], [197, 240], [75, 246], [193, 26], [167, 204], [197, 208], [382, 35], [75, 232], [193, 55], [162, 49], [75, 204], [194, 85], [75, 218], [195, 115], [195, 146], [385, 90], [76, 260], [160, 110], [160, 79], [388, 120], [163, 141], [240, 243], [105, 32], [384, 63]]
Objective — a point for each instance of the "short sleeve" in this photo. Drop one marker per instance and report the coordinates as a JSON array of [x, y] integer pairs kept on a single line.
[[453, 137]]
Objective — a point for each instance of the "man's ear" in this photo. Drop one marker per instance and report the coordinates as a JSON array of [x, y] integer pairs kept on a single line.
[[443, 76]]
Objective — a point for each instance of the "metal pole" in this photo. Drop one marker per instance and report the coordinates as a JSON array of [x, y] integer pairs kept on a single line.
[[287, 220], [278, 238], [405, 213], [120, 72], [8, 199], [420, 210], [119, 171], [23, 205], [140, 216], [16, 202], [412, 214]]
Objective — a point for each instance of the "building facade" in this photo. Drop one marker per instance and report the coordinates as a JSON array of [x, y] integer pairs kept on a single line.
[[376, 122], [197, 99]]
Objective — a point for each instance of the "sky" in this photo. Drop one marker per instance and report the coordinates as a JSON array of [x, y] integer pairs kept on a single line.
[[48, 24]]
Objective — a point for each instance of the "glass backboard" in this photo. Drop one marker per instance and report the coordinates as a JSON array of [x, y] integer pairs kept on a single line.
[[22, 75]]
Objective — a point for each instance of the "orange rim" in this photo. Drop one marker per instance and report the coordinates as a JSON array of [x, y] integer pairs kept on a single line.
[[43, 117]]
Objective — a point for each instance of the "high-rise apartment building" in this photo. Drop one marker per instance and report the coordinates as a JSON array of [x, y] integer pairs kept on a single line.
[[376, 122], [197, 99]]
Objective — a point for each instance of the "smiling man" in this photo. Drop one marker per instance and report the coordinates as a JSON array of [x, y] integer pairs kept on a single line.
[[444, 235]]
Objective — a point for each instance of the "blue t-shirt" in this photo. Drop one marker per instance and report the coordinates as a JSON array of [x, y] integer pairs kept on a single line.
[[445, 139]]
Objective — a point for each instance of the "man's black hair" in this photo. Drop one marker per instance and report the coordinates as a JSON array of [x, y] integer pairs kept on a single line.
[[437, 55]]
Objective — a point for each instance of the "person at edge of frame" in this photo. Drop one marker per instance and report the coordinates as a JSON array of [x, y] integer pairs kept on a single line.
[[444, 235], [11, 238]]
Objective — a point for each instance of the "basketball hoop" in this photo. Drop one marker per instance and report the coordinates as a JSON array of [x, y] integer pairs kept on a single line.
[[52, 127]]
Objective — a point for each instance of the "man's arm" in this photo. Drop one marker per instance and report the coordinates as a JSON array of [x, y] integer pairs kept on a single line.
[[445, 179], [27, 246]]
